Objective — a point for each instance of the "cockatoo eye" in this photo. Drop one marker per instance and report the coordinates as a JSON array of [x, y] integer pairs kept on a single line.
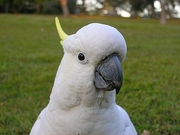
[[82, 59]]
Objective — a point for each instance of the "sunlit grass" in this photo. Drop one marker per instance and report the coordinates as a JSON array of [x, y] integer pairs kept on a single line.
[[30, 54]]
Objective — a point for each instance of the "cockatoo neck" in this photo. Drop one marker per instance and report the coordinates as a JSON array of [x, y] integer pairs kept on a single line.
[[97, 98]]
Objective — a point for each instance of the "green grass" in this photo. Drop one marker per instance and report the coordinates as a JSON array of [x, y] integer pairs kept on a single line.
[[30, 54]]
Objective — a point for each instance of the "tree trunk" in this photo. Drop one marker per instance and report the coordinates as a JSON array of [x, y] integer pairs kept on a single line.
[[163, 19], [152, 10], [83, 8], [64, 7], [7, 7]]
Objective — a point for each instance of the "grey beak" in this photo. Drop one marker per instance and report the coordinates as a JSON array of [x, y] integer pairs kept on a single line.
[[108, 74]]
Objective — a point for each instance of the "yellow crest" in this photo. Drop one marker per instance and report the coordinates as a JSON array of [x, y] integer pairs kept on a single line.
[[61, 33]]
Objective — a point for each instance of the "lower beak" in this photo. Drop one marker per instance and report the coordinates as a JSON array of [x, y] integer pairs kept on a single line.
[[108, 74]]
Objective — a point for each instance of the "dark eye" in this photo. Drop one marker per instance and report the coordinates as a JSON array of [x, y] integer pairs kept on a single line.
[[81, 56]]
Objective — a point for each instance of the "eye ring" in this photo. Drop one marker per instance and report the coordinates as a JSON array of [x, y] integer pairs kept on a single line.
[[81, 58]]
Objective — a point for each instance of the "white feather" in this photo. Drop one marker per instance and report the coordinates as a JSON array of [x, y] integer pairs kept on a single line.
[[76, 107]]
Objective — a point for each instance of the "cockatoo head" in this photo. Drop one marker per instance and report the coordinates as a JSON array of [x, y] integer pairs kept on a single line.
[[92, 58]]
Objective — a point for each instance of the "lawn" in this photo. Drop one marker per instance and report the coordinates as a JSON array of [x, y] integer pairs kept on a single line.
[[30, 54]]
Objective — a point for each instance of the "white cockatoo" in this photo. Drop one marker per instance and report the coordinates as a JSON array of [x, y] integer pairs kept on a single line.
[[82, 101]]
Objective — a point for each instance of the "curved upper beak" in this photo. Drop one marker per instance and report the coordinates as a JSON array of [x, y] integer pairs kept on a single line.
[[108, 74]]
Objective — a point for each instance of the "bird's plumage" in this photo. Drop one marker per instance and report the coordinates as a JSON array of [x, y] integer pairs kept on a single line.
[[77, 106]]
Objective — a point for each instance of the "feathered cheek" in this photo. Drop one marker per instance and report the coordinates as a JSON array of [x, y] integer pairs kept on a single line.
[[89, 84], [87, 75]]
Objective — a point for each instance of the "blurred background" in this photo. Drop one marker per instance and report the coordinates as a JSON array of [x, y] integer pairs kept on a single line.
[[162, 9], [30, 54]]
